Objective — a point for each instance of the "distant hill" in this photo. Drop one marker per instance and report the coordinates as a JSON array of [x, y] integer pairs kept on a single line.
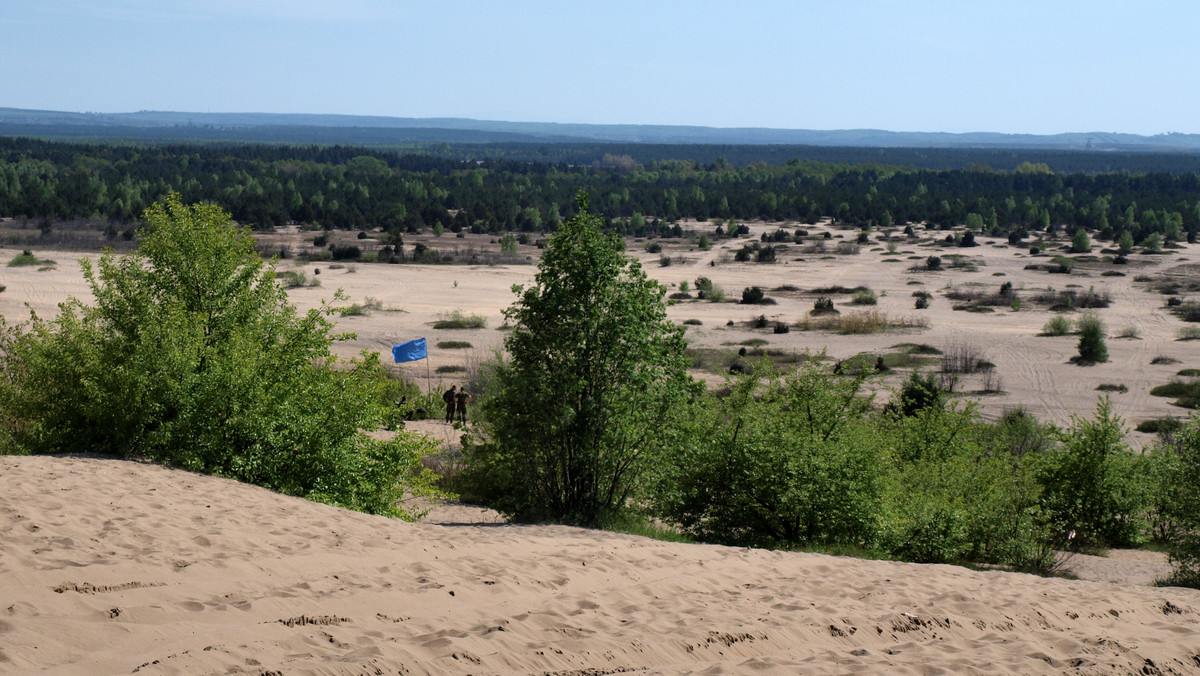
[[372, 130]]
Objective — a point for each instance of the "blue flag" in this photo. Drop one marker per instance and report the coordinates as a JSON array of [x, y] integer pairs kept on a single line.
[[410, 351]]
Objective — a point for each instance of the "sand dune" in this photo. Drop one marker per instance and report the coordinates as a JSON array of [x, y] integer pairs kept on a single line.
[[110, 567]]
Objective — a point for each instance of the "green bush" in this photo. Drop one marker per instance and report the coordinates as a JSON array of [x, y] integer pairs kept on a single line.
[[1092, 348], [26, 258], [953, 499], [459, 320], [1179, 475], [453, 345], [1187, 394], [752, 295], [753, 471], [192, 355], [865, 297], [1092, 489], [823, 305], [293, 279]]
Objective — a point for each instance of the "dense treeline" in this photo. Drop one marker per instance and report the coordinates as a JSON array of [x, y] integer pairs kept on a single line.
[[345, 187], [1001, 159]]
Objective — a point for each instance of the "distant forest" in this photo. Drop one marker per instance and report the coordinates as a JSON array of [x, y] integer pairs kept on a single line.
[[639, 189]]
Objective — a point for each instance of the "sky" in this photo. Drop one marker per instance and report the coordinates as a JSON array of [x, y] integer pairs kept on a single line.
[[1041, 67]]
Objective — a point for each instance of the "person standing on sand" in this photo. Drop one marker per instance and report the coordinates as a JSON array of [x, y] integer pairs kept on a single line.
[[461, 403], [449, 398]]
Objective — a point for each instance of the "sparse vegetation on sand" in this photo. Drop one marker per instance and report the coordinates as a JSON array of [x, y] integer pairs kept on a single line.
[[864, 321], [296, 279], [1185, 392], [27, 258], [460, 320], [1058, 325]]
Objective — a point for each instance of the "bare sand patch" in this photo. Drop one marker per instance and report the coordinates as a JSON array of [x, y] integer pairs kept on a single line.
[[112, 566]]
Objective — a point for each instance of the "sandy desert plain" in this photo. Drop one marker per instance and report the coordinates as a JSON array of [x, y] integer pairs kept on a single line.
[[111, 566]]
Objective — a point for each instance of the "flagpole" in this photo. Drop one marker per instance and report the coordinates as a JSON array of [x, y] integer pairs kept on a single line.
[[428, 378]]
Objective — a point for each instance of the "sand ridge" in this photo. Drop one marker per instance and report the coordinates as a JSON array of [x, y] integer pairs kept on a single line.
[[110, 566]]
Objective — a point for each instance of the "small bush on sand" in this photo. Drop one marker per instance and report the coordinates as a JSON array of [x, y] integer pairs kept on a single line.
[[1092, 348], [460, 320], [1058, 325]]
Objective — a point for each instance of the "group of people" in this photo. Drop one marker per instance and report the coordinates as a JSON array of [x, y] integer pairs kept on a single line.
[[456, 402]]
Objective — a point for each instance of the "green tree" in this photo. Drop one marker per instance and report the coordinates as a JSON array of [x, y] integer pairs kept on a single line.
[[192, 355], [586, 402], [508, 244], [1125, 243], [1152, 243], [1080, 242], [1092, 348]]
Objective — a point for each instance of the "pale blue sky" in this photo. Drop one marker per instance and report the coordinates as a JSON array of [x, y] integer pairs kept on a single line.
[[1016, 66]]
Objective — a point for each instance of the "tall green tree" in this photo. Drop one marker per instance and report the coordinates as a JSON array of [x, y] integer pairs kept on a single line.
[[596, 376], [192, 355]]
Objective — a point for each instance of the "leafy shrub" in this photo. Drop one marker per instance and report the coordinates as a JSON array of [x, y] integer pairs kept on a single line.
[[1163, 425], [1092, 348], [1130, 332], [1121, 388], [1179, 478], [922, 302], [349, 252], [693, 322], [781, 327], [823, 305], [26, 258], [752, 295], [1091, 486], [453, 345], [1187, 394], [952, 500], [933, 263], [755, 475], [865, 297], [293, 279], [1188, 312], [192, 356], [1058, 325], [459, 320]]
